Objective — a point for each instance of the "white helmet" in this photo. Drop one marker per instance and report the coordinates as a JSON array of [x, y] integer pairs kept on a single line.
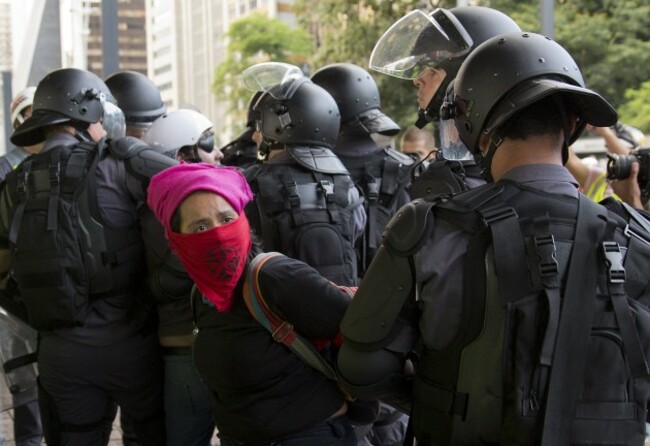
[[22, 100], [177, 129]]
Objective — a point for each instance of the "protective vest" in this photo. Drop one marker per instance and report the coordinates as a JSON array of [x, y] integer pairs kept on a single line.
[[382, 176], [557, 352], [64, 255], [302, 209]]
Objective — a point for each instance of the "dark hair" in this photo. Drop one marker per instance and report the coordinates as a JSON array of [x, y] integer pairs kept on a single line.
[[544, 117]]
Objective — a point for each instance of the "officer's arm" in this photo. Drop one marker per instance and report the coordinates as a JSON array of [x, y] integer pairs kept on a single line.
[[380, 327], [167, 279]]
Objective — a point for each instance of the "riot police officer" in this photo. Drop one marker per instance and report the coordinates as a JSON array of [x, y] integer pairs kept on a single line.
[[428, 49], [97, 340], [382, 174]]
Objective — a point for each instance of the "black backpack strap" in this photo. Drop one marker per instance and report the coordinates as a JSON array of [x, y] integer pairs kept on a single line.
[[328, 188], [22, 186], [571, 347], [546, 271], [55, 188], [293, 195]]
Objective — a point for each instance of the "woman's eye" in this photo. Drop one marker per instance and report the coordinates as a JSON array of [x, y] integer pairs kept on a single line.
[[201, 228], [228, 219]]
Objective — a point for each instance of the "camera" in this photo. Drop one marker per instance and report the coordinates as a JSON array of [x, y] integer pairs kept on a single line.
[[619, 167]]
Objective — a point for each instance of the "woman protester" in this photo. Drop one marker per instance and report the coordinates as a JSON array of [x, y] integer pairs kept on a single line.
[[263, 393]]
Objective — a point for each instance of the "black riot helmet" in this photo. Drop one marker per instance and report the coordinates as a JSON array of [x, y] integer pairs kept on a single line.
[[292, 109], [442, 39], [65, 95], [137, 96], [357, 97], [508, 73]]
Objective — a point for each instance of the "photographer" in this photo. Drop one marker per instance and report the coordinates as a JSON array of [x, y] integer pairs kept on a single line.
[[622, 179]]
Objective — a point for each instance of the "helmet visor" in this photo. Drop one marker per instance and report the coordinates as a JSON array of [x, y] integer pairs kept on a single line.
[[418, 41], [276, 78], [113, 121], [451, 147]]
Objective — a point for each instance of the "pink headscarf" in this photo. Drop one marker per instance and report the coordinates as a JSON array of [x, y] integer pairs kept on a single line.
[[170, 187]]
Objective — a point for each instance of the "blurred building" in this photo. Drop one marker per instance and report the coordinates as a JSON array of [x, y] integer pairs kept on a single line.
[[132, 37], [5, 67], [177, 43], [38, 36], [185, 41]]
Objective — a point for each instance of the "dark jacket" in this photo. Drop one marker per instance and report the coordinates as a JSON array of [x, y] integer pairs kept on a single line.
[[121, 194], [262, 390]]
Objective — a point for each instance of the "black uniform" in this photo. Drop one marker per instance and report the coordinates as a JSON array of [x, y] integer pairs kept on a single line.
[[114, 356]]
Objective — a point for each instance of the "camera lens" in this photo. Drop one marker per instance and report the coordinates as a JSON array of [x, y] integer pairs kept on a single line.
[[619, 166]]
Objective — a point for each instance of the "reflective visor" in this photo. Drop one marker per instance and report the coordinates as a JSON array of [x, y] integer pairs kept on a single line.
[[418, 41], [276, 78]]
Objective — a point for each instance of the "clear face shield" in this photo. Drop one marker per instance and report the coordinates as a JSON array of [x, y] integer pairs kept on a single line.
[[114, 122], [276, 78], [451, 147], [280, 81], [418, 41]]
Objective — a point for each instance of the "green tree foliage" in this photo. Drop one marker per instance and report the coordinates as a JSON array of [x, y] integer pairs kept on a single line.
[[636, 110], [252, 40], [609, 39], [346, 31]]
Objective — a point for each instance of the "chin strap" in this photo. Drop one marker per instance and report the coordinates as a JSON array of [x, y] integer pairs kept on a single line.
[[432, 112]]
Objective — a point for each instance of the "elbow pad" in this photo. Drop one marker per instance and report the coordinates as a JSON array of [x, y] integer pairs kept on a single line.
[[369, 374]]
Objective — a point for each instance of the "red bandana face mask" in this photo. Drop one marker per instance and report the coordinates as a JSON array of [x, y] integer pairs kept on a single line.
[[215, 259]]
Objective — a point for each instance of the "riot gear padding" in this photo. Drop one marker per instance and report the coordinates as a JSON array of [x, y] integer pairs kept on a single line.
[[136, 95], [318, 160], [68, 94], [411, 222], [357, 97], [177, 129], [370, 322], [307, 114], [141, 159], [510, 72], [366, 372]]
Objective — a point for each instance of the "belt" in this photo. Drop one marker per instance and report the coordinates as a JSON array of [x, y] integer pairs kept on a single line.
[[177, 351]]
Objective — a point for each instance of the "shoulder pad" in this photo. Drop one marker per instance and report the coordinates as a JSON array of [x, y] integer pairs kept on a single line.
[[140, 158], [472, 199], [399, 156], [404, 233], [251, 172], [148, 162], [318, 159], [126, 147]]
